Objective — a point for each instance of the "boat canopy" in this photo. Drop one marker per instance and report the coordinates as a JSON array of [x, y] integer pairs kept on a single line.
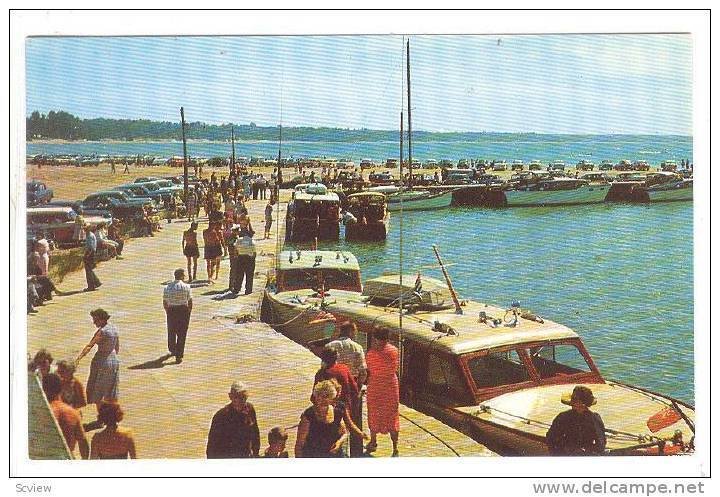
[[377, 197], [310, 197]]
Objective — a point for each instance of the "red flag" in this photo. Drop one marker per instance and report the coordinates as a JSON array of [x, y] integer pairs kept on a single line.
[[663, 418]]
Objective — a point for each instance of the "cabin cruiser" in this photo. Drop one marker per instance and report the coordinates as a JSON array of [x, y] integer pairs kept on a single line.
[[371, 216], [664, 186], [554, 191], [414, 200], [313, 214], [303, 283], [496, 374]]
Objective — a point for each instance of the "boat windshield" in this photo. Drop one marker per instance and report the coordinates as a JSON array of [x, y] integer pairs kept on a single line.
[[560, 359], [296, 279], [498, 369], [551, 360]]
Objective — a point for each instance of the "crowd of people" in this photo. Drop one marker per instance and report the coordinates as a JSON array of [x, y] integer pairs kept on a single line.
[[335, 414]]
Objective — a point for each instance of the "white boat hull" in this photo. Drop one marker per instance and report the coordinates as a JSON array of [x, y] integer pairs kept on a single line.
[[590, 194], [677, 191], [415, 201]]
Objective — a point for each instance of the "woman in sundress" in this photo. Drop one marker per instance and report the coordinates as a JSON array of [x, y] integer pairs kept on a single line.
[[383, 392], [104, 375]]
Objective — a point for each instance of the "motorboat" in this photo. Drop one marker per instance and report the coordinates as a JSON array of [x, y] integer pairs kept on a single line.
[[496, 374], [371, 216], [313, 214], [302, 285], [664, 186], [414, 200], [555, 191]]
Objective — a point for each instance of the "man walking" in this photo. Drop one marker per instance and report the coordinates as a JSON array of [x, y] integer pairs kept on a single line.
[[91, 245], [245, 261], [177, 301], [234, 431]]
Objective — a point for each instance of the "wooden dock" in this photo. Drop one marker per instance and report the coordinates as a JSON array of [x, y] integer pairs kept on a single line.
[[169, 406]]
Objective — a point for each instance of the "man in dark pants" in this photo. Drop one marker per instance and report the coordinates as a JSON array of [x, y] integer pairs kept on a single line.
[[177, 301], [232, 252], [91, 245], [245, 261], [577, 431]]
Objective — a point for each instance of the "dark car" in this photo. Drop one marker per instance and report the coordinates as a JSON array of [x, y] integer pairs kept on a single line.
[[38, 193], [139, 190]]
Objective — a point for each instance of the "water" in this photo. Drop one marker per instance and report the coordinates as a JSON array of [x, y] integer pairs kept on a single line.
[[620, 275], [527, 147]]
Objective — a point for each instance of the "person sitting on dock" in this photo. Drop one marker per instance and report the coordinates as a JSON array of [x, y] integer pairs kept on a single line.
[[577, 431]]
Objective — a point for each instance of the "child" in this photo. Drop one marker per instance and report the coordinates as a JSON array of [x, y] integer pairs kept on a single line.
[[277, 438], [73, 392]]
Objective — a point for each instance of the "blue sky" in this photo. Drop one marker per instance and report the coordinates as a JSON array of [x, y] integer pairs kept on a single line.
[[636, 84]]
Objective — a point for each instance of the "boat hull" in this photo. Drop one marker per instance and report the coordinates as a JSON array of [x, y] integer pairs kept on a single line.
[[420, 202], [293, 320], [366, 232], [590, 194], [676, 192]]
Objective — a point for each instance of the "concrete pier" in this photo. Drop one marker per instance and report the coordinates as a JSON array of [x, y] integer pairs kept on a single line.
[[169, 406]]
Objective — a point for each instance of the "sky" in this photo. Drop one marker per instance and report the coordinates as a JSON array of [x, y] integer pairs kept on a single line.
[[584, 84]]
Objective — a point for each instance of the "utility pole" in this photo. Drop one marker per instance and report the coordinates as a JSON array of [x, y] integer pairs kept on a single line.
[[232, 138], [185, 158]]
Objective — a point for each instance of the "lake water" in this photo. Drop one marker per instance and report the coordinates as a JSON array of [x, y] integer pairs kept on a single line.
[[621, 275], [527, 147]]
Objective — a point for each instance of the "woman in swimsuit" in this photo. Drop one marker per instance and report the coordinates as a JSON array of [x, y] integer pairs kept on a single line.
[[212, 237], [190, 249]]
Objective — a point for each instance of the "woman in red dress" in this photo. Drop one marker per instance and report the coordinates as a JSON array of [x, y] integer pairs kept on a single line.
[[383, 392]]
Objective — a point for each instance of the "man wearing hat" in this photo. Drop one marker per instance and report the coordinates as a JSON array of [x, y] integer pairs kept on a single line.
[[577, 431]]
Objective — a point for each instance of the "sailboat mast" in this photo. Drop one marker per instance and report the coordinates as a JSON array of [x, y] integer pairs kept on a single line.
[[410, 174]]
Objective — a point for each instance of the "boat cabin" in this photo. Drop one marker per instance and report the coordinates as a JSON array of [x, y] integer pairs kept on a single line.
[[317, 269], [370, 211], [313, 213]]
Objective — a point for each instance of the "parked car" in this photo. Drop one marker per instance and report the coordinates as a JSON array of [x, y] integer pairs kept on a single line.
[[430, 164], [38, 193], [668, 165], [459, 176], [517, 165], [624, 165], [139, 190], [56, 223], [556, 165], [535, 165], [499, 165], [366, 164], [641, 165], [606, 165], [585, 165], [383, 178]]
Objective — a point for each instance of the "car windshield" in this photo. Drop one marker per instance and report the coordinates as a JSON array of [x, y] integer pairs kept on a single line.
[[151, 186]]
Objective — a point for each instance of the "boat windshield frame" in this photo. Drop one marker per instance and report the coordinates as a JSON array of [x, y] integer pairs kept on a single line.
[[283, 280], [535, 379]]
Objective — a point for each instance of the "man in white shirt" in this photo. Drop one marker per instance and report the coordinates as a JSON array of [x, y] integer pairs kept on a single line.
[[245, 248], [177, 301]]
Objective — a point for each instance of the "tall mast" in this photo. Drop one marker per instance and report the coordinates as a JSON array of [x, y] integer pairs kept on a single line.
[[410, 175], [185, 161], [232, 140]]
